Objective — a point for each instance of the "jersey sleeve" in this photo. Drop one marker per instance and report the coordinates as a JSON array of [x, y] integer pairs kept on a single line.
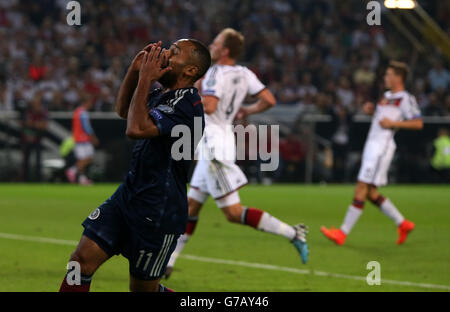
[[167, 117], [409, 108], [254, 84], [85, 123], [211, 85]]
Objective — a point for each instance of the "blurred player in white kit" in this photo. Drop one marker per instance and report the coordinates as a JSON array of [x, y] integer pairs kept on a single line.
[[223, 90], [397, 109]]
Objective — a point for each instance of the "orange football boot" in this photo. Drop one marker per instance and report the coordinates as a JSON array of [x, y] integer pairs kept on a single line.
[[336, 235], [403, 230]]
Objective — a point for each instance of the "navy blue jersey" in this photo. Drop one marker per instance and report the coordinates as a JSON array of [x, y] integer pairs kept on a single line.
[[154, 190]]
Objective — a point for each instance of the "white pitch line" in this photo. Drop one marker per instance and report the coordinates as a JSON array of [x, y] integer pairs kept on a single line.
[[308, 272], [38, 239], [239, 263]]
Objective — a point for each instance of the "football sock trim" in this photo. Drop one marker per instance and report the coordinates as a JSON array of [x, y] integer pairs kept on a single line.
[[378, 201], [85, 284], [192, 223], [252, 216], [358, 203]]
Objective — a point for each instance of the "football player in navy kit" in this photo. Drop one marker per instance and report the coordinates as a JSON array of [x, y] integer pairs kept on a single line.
[[143, 219]]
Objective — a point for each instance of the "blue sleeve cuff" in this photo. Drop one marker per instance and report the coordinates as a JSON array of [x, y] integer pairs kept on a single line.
[[209, 92], [157, 117], [86, 124]]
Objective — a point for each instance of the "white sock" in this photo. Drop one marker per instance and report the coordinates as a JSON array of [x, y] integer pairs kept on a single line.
[[182, 240], [83, 178], [272, 225], [350, 219], [388, 208]]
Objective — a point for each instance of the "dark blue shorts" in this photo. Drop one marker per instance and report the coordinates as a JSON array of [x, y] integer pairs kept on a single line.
[[118, 231]]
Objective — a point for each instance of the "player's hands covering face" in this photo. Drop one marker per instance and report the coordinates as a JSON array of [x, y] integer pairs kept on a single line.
[[152, 62], [137, 61]]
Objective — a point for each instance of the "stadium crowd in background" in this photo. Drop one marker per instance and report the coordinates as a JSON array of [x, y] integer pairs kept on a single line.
[[316, 53]]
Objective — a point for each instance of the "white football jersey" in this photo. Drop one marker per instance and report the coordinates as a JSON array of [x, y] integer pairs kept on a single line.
[[231, 85], [395, 106]]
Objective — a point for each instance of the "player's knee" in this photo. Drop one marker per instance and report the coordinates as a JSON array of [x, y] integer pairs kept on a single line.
[[87, 267], [194, 207], [373, 194], [361, 186], [361, 191], [233, 214], [230, 217]]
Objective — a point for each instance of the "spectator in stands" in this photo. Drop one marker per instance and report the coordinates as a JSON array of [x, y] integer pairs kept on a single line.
[[364, 76], [439, 77], [311, 41], [6, 97], [335, 60], [34, 125], [345, 93], [292, 153], [288, 94], [306, 87], [447, 105], [340, 141], [420, 93], [71, 93], [434, 108]]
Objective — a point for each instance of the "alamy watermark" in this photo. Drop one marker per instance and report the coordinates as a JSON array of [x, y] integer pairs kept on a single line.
[[374, 276], [228, 143], [74, 16], [73, 276], [374, 16]]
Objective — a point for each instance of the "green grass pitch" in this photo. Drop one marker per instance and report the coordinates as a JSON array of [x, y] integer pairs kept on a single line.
[[56, 211]]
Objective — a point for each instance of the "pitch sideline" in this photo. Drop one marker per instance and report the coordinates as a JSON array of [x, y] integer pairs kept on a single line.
[[237, 263]]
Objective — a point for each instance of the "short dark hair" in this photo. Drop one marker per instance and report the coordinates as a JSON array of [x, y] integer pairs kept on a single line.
[[233, 41], [201, 57], [400, 69]]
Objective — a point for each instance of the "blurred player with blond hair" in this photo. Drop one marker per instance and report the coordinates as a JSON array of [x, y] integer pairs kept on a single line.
[[223, 90]]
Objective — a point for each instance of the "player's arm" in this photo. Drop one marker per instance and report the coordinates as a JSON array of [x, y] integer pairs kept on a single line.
[[209, 101], [210, 91], [209, 104], [198, 85], [86, 124], [129, 84], [139, 123], [265, 101], [412, 124], [411, 114], [126, 91], [256, 88]]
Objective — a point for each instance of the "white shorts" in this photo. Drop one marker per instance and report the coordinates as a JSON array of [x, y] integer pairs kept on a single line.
[[375, 166], [219, 179], [83, 150]]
